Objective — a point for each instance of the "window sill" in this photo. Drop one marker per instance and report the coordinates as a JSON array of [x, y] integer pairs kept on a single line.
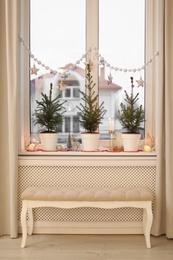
[[90, 154]]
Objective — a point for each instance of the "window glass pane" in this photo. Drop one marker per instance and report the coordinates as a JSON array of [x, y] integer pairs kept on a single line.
[[76, 124], [57, 40], [67, 124], [67, 92], [122, 45], [76, 93]]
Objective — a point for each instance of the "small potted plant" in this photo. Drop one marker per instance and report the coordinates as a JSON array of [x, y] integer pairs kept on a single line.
[[49, 115], [90, 114], [131, 116]]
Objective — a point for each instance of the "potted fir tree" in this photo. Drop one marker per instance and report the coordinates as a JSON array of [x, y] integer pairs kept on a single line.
[[90, 114], [49, 115], [131, 116]]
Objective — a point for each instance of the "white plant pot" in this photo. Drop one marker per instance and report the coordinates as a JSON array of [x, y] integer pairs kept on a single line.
[[49, 141], [130, 142], [90, 141]]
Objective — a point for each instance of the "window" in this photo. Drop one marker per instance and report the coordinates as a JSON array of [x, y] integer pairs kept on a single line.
[[105, 27], [70, 93], [57, 39], [122, 45]]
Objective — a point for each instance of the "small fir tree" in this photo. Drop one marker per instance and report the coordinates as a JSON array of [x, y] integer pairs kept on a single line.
[[69, 142], [49, 112], [90, 114], [131, 116]]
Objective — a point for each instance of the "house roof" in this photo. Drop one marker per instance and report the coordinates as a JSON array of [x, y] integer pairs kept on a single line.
[[77, 69], [103, 83]]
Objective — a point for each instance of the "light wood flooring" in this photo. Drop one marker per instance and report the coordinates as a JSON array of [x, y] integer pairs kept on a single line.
[[86, 247]]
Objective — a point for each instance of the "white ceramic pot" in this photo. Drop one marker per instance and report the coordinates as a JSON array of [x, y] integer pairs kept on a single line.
[[130, 142], [49, 141], [90, 141]]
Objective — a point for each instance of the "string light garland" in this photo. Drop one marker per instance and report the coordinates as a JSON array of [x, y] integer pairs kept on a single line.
[[97, 56]]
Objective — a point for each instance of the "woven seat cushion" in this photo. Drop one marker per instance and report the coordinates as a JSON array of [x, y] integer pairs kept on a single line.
[[87, 194]]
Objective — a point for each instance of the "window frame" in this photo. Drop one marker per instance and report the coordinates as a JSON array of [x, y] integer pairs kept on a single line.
[[92, 40]]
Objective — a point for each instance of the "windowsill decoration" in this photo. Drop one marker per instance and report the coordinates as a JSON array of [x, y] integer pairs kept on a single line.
[[131, 116], [49, 115], [31, 143], [86, 57], [118, 144], [111, 134], [90, 114], [148, 143]]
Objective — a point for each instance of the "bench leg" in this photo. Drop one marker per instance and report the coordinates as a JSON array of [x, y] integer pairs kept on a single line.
[[31, 221], [23, 223], [144, 220], [147, 223]]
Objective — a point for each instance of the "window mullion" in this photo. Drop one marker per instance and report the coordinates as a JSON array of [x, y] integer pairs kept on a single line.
[[92, 26]]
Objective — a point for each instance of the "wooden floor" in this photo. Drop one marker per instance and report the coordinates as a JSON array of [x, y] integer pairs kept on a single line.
[[87, 247]]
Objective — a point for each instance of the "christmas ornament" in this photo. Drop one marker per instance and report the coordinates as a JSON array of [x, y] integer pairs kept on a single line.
[[75, 144], [140, 82], [96, 55], [61, 85], [101, 61], [31, 143], [119, 142], [110, 79], [51, 71], [69, 142], [148, 143], [34, 70]]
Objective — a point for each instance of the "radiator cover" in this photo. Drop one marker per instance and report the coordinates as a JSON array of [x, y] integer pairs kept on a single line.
[[90, 171]]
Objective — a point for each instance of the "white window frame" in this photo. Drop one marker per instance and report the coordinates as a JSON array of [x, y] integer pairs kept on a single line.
[[92, 26]]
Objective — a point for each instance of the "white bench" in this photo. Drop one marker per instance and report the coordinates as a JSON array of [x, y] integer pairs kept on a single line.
[[75, 197]]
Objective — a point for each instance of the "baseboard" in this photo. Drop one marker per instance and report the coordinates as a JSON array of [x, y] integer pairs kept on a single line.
[[52, 227]]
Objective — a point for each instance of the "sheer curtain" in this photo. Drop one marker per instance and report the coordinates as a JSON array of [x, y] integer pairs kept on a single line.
[[9, 85], [163, 221]]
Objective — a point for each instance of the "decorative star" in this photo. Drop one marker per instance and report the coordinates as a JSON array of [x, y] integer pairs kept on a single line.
[[140, 82], [110, 79], [34, 70], [61, 85]]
